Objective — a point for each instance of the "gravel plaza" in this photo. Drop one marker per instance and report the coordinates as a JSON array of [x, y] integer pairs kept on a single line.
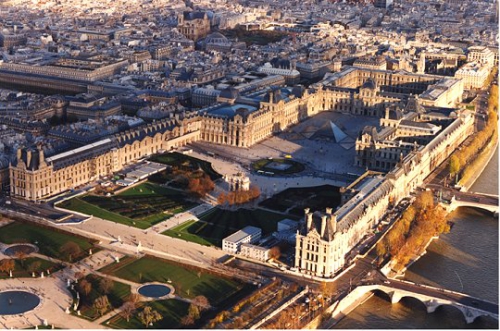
[[311, 142]]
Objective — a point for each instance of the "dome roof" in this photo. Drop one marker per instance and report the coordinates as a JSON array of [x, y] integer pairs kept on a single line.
[[215, 38], [370, 84]]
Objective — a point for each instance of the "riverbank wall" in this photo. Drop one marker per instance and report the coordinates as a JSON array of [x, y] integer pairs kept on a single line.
[[340, 309], [484, 158]]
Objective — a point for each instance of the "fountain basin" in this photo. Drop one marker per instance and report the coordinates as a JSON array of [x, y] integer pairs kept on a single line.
[[20, 248], [17, 302], [154, 290]]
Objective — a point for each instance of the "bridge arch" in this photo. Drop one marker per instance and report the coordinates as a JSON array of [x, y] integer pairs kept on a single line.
[[381, 293], [492, 211], [469, 314], [395, 295]]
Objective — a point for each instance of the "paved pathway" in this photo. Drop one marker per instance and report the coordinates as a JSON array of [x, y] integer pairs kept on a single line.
[[268, 185], [180, 218], [55, 298], [125, 239]]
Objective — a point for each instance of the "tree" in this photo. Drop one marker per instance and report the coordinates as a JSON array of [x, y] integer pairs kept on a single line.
[[34, 266], [85, 287], [7, 265], [134, 298], [70, 250], [79, 275], [238, 323], [106, 285], [187, 320], [101, 304], [21, 256], [381, 248], [275, 253], [148, 316], [454, 165], [194, 311], [127, 310], [199, 187], [424, 201], [201, 301]]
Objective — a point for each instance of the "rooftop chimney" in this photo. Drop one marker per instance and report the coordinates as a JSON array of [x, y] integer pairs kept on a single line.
[[323, 225]]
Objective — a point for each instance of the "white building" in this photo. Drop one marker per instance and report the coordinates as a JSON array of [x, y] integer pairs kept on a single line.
[[287, 230], [287, 225], [249, 234], [482, 55], [473, 74], [255, 252]]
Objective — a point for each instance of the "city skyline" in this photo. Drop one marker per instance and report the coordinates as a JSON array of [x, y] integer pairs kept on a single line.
[[167, 164]]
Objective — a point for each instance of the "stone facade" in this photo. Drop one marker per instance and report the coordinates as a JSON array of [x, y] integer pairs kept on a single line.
[[325, 239], [194, 25], [34, 177], [255, 252], [473, 75], [354, 90], [400, 133]]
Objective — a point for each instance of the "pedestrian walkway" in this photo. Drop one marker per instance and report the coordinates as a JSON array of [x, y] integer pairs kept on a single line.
[[54, 299], [180, 218]]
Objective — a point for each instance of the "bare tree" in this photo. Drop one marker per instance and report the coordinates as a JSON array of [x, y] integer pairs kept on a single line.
[[70, 250], [21, 256], [34, 266], [101, 304], [128, 309], [148, 316], [85, 287], [106, 285]]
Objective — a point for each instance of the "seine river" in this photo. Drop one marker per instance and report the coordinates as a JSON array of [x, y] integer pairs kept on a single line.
[[465, 260]]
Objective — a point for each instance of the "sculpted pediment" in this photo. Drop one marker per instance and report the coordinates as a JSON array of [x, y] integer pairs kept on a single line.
[[313, 233]]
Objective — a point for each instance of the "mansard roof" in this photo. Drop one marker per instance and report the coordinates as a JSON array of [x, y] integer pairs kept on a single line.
[[351, 217], [149, 130]]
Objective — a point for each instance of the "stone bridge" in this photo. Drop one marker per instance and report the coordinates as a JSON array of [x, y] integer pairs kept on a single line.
[[433, 297], [452, 198], [475, 200]]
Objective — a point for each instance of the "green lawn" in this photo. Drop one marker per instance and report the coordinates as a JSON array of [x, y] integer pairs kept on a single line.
[[217, 224], [79, 205], [187, 282], [182, 232], [48, 241], [116, 297], [141, 206], [149, 189], [21, 268], [171, 310]]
